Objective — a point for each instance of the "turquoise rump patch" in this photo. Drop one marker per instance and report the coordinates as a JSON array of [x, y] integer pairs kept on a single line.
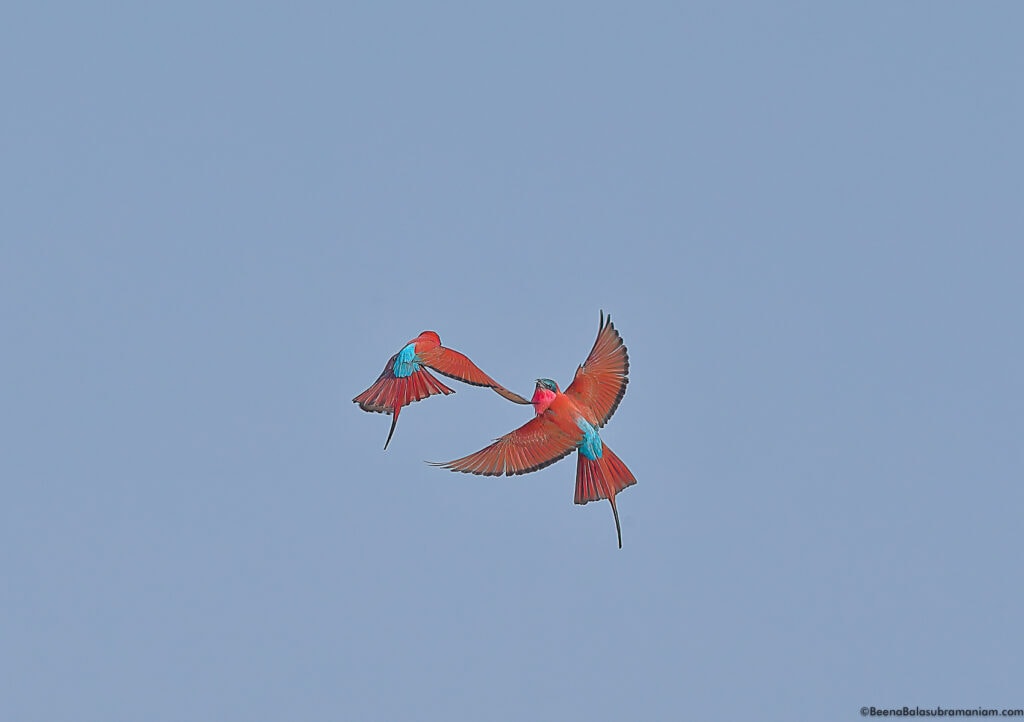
[[406, 363], [590, 446]]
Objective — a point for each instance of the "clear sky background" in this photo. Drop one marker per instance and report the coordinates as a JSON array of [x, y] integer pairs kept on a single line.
[[220, 220]]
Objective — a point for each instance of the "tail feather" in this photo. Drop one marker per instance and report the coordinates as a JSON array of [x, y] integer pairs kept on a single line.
[[389, 394], [602, 478], [391, 431]]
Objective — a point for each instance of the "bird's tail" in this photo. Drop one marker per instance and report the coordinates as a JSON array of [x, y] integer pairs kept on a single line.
[[602, 478], [389, 394]]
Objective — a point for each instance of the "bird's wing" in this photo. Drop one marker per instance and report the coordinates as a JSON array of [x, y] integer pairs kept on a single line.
[[458, 366], [600, 383], [389, 392], [534, 445]]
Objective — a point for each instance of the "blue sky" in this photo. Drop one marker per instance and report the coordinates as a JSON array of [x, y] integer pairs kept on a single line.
[[219, 222]]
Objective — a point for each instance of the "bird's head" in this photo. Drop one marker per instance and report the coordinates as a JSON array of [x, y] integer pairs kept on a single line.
[[543, 395]]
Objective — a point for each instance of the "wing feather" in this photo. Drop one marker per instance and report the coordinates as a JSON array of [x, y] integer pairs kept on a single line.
[[600, 383], [458, 366], [389, 392], [534, 445]]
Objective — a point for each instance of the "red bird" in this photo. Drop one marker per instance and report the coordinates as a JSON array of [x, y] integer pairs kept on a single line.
[[405, 378], [566, 422]]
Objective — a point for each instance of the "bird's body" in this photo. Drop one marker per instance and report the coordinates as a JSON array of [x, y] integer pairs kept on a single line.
[[567, 422], [405, 378]]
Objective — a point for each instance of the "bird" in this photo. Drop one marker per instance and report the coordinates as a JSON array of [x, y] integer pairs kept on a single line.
[[565, 422], [405, 378]]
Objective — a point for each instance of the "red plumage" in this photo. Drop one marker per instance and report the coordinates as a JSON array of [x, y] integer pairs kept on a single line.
[[390, 392], [556, 430], [600, 383]]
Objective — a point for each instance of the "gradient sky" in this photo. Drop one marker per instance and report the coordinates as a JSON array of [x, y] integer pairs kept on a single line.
[[220, 220]]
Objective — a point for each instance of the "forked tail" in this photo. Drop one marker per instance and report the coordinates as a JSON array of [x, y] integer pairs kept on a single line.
[[602, 478]]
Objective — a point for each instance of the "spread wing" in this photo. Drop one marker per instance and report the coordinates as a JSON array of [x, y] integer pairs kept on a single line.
[[600, 383], [534, 445], [458, 366]]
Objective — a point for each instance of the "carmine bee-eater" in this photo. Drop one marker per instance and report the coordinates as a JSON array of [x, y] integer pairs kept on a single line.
[[405, 378], [567, 422]]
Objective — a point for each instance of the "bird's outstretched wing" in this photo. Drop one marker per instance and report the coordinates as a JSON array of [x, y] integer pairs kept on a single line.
[[600, 383], [534, 445], [458, 366]]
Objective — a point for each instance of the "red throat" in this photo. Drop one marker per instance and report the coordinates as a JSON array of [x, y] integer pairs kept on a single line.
[[542, 399]]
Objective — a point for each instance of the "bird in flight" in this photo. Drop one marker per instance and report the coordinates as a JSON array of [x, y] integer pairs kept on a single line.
[[565, 422], [405, 378]]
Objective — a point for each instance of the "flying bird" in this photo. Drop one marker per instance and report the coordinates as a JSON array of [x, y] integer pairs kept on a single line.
[[566, 422], [405, 378]]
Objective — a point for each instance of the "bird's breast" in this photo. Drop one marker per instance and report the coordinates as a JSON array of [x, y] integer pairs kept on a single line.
[[563, 413]]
